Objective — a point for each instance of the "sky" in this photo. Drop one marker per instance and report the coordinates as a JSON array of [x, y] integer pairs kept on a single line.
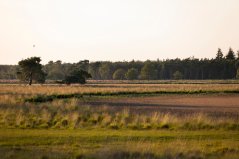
[[116, 30]]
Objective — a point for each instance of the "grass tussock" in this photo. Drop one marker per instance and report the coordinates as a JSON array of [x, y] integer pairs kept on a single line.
[[67, 114]]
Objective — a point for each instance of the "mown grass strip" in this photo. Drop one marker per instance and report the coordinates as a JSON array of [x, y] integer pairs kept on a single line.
[[49, 98]]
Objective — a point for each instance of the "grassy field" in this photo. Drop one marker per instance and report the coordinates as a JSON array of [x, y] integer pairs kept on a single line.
[[109, 120], [118, 144]]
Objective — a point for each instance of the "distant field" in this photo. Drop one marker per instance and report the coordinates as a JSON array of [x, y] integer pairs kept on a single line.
[[233, 81], [103, 88], [120, 120]]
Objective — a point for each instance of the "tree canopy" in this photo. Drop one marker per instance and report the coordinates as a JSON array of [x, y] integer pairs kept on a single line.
[[148, 72], [30, 69], [219, 55], [230, 55], [220, 67], [132, 74], [77, 76], [119, 74]]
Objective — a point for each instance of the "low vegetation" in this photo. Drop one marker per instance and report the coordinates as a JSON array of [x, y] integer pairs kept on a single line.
[[112, 144], [55, 121], [70, 115]]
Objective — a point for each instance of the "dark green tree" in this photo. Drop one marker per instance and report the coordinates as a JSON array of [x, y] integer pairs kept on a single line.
[[30, 69], [83, 65], [230, 55], [219, 55], [77, 76], [105, 71], [94, 70], [119, 74], [132, 74], [148, 72], [54, 70]]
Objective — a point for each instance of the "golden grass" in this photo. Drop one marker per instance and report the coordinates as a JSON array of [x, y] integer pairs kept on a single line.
[[62, 89], [70, 115], [73, 113], [71, 126]]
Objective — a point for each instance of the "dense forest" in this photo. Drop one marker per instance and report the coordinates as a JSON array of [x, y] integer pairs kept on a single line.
[[220, 67]]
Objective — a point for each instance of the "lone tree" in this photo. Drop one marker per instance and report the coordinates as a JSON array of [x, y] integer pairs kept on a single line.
[[30, 69], [77, 76]]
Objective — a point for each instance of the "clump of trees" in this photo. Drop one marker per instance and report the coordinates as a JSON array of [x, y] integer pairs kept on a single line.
[[30, 70], [119, 74], [132, 74], [221, 67], [77, 73], [77, 76], [148, 71]]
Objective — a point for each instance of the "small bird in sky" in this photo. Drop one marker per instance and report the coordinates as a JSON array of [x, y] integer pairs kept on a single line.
[[34, 45]]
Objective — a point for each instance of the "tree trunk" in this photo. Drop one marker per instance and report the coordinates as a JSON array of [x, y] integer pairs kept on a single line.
[[30, 79]]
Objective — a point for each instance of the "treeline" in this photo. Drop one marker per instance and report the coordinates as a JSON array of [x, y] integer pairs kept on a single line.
[[220, 67], [8, 72]]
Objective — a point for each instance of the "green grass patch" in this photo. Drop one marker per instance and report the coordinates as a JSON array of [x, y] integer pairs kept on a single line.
[[104, 143]]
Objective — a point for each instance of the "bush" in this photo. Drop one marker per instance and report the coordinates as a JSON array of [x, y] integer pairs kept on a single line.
[[77, 76]]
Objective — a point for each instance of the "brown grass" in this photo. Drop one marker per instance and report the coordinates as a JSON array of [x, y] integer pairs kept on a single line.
[[63, 89]]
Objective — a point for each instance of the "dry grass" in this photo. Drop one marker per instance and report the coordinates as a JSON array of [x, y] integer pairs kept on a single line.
[[71, 114], [119, 127], [93, 88], [78, 113]]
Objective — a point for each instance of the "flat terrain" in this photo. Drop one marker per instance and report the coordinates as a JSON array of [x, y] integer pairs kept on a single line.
[[173, 103], [118, 144], [24, 90], [115, 121]]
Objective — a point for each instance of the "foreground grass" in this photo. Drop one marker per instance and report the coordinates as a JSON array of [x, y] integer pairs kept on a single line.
[[101, 143]]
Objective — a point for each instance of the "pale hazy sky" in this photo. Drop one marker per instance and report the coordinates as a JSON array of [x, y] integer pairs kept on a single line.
[[73, 30]]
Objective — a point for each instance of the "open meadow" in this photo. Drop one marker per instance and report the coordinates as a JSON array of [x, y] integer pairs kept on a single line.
[[126, 79], [177, 120]]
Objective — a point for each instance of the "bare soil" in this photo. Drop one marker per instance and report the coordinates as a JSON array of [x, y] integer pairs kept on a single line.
[[215, 105]]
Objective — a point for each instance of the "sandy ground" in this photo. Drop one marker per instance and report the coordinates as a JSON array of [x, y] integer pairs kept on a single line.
[[179, 104]]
